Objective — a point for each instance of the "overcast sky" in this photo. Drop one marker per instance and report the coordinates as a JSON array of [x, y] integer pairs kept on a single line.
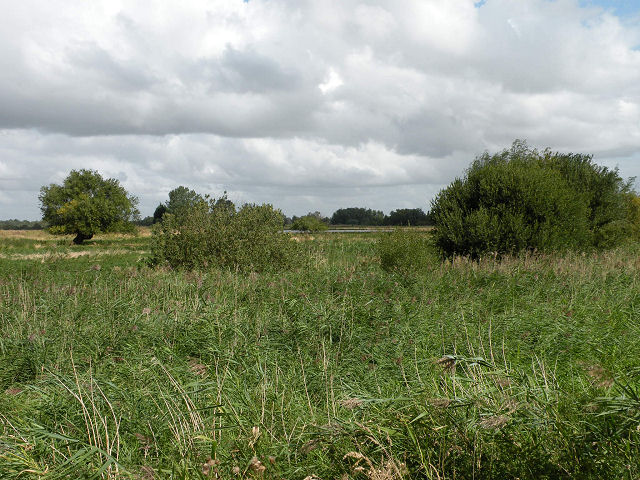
[[308, 105]]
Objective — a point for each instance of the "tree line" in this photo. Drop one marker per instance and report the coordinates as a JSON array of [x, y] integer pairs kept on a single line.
[[514, 200], [86, 203], [15, 224], [181, 198]]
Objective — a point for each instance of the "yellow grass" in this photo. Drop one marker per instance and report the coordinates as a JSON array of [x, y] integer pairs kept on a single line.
[[46, 236], [30, 234]]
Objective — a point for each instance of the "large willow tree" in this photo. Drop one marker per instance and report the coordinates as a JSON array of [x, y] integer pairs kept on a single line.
[[86, 204]]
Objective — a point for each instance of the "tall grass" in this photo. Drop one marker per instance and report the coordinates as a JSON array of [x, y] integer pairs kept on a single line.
[[522, 367]]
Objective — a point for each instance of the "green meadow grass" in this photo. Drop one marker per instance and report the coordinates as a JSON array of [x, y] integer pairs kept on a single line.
[[522, 368]]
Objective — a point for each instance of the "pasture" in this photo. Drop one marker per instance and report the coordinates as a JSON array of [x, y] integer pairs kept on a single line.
[[526, 367]]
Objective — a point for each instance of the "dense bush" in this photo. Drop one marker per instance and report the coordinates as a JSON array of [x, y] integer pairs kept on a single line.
[[404, 251], [214, 233], [633, 201], [309, 223], [523, 199]]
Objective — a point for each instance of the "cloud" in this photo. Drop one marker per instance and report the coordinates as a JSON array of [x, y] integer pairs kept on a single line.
[[307, 101]]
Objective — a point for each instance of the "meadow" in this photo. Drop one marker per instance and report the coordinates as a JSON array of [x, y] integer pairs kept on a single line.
[[521, 367]]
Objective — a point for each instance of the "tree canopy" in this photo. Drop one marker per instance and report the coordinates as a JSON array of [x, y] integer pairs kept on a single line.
[[86, 204], [181, 199], [357, 216], [523, 199], [159, 212], [407, 217], [309, 223]]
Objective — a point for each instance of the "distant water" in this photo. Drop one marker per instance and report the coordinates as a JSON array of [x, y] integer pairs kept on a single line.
[[346, 230]]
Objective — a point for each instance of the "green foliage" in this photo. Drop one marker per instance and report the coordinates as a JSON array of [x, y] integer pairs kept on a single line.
[[357, 216], [405, 251], [603, 190], [86, 204], [524, 200], [144, 222], [525, 367], [407, 217], [159, 212], [633, 202], [213, 233], [181, 199], [15, 224], [309, 223]]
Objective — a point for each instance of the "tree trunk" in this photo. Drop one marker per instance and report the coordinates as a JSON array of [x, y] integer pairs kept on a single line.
[[81, 237]]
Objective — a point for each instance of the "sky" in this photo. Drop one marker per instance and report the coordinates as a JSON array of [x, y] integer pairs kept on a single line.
[[307, 104]]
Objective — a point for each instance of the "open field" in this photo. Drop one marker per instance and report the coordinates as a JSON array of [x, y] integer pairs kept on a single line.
[[521, 368]]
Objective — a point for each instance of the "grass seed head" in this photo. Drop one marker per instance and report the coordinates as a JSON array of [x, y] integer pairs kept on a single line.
[[447, 363], [257, 466], [351, 403], [495, 422]]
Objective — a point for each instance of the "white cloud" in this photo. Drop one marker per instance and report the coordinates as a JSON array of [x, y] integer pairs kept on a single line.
[[308, 101], [332, 82]]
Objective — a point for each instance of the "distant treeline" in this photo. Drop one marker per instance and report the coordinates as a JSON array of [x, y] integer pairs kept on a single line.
[[369, 217], [15, 224], [343, 216]]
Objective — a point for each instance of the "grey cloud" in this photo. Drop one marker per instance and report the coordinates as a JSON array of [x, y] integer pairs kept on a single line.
[[227, 95], [97, 66], [246, 71], [150, 166]]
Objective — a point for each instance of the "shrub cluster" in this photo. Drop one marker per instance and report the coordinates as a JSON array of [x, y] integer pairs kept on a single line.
[[404, 251], [309, 223], [215, 233], [634, 215], [522, 199]]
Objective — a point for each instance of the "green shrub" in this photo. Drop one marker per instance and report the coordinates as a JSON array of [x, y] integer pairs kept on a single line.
[[309, 223], [521, 199], [633, 202], [604, 191], [404, 251], [214, 233]]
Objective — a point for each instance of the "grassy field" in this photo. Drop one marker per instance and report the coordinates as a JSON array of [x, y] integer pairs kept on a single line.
[[520, 368]]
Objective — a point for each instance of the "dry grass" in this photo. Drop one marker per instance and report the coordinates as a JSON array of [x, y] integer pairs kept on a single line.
[[46, 236], [571, 263], [70, 255], [30, 235]]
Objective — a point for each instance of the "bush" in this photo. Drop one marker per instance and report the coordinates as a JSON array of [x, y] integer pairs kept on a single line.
[[521, 199], [309, 223], [404, 251], [633, 201], [213, 233], [604, 191]]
